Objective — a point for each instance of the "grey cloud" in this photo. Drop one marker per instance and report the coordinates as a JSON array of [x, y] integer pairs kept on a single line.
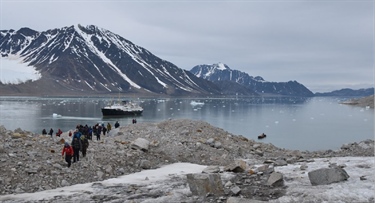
[[318, 43]]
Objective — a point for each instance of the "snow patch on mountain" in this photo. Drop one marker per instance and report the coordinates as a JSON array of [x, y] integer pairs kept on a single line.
[[220, 66], [93, 48], [14, 71]]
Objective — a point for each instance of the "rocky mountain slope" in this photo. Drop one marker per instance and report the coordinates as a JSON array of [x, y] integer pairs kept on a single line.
[[91, 60], [31, 162], [220, 72]]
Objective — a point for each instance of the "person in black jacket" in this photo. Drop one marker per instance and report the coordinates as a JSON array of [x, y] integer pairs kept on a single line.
[[117, 124], [77, 146], [85, 145], [51, 132]]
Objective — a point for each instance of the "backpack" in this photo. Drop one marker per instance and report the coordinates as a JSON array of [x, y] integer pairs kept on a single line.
[[68, 150], [76, 144]]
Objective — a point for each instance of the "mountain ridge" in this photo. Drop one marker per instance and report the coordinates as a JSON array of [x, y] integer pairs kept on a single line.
[[222, 72], [96, 60], [348, 92]]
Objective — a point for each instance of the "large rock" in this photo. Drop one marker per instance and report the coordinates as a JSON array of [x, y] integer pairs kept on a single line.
[[325, 176], [275, 179], [141, 144], [202, 184]]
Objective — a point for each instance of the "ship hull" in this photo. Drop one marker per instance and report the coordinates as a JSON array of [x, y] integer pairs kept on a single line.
[[118, 112]]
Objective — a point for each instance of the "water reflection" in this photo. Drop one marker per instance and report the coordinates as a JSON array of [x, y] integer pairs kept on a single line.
[[293, 123]]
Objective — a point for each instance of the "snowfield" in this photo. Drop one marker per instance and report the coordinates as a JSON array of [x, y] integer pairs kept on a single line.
[[299, 188]]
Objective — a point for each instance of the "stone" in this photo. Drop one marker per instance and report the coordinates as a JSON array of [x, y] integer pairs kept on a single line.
[[325, 176], [210, 142], [275, 179], [303, 167], [203, 184], [235, 190], [141, 144], [236, 168], [217, 145], [363, 178], [65, 183], [108, 169], [228, 184], [121, 171], [100, 175], [145, 164], [280, 162]]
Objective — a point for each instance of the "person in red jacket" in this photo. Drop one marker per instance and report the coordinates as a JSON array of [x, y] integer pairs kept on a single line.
[[68, 150], [59, 132]]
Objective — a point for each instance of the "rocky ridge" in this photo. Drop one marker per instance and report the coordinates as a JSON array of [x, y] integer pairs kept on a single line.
[[31, 162], [367, 102]]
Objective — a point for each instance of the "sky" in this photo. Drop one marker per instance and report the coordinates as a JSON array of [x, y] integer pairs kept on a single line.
[[299, 188], [326, 44]]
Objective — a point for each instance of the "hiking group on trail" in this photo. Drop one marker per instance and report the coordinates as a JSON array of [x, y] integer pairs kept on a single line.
[[80, 140]]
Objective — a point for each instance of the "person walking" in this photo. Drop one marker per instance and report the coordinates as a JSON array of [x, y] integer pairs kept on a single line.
[[77, 146], [85, 145], [51, 132], [68, 150], [117, 124], [104, 130], [109, 126], [98, 132]]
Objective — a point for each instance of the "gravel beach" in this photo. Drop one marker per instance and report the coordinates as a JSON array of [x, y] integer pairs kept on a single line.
[[32, 162]]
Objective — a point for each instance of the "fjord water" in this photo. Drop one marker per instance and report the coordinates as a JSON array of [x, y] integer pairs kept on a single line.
[[317, 123]]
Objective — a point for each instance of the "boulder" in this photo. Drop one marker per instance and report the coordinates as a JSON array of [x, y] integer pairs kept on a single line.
[[235, 190], [141, 144], [275, 179], [202, 184], [325, 176], [238, 166], [145, 164]]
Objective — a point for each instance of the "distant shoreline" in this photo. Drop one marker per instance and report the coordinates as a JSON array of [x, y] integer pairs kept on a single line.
[[361, 102]]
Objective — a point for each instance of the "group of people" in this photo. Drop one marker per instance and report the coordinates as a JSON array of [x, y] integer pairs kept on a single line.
[[80, 139], [58, 133], [79, 143]]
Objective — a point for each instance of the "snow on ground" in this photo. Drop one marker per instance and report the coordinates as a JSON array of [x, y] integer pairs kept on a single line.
[[13, 71], [299, 188], [353, 190], [146, 177]]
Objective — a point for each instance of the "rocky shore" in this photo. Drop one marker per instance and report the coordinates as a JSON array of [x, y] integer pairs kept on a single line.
[[361, 102], [31, 162]]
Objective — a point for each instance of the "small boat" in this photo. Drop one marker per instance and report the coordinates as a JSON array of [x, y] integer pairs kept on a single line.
[[124, 108], [262, 136]]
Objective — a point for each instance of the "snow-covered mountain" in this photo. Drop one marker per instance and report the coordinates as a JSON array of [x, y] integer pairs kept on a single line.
[[88, 59], [221, 72]]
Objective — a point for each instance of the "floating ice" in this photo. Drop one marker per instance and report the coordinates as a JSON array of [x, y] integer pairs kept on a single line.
[[195, 103], [55, 115]]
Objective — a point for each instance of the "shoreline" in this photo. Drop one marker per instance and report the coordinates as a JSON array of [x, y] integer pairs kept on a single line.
[[31, 163]]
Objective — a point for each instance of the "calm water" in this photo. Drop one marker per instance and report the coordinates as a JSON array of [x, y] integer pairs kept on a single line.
[[292, 123]]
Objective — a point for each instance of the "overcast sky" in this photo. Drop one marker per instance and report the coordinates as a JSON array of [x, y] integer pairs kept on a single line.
[[324, 44]]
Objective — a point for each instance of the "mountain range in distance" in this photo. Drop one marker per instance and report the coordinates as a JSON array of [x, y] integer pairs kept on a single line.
[[88, 60], [364, 92]]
